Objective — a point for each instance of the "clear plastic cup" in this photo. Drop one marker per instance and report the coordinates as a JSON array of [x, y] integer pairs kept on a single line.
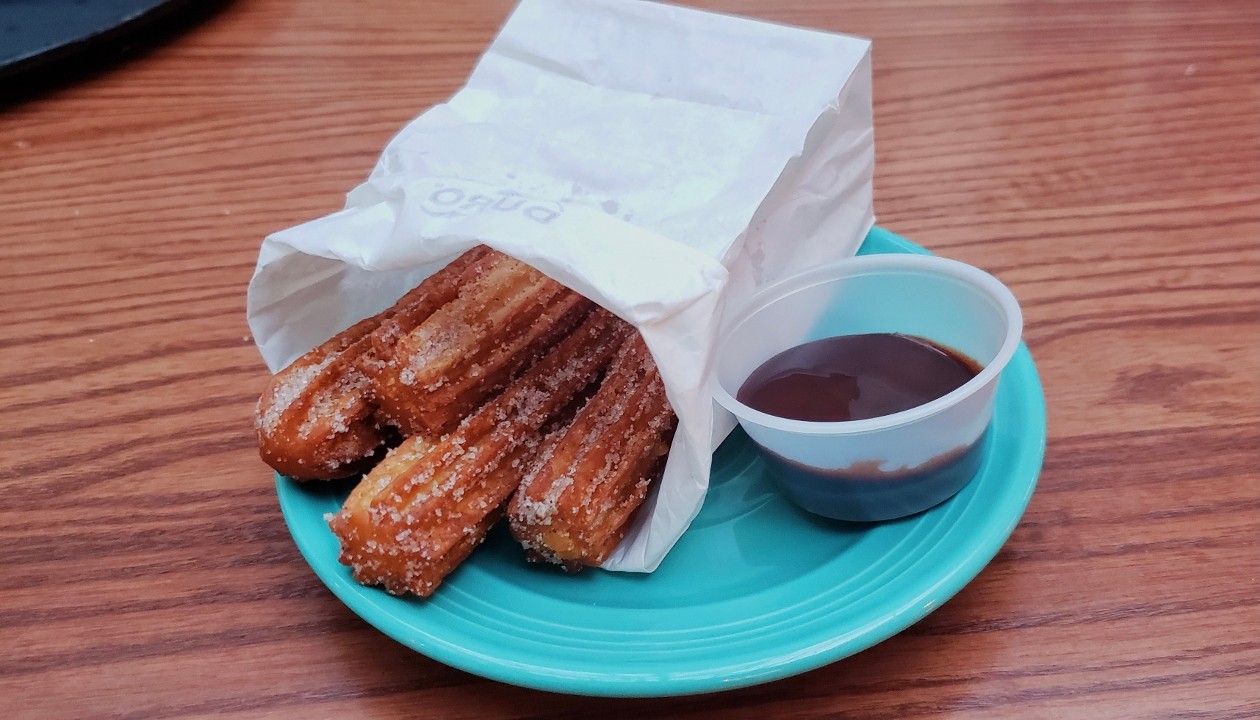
[[895, 465]]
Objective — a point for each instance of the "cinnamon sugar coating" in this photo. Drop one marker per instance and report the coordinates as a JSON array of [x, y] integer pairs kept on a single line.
[[430, 502], [432, 373], [504, 393], [573, 506], [314, 420], [317, 419]]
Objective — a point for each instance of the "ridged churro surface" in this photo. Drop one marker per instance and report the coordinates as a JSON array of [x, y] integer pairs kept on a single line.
[[314, 420], [317, 418], [430, 502], [502, 392], [574, 504], [430, 374]]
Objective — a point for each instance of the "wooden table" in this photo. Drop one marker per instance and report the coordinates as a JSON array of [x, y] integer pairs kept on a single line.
[[1101, 158]]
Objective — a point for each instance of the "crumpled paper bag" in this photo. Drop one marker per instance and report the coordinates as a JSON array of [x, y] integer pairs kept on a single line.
[[664, 162]]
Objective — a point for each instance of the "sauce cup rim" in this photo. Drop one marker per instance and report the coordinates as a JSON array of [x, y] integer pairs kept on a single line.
[[869, 265]]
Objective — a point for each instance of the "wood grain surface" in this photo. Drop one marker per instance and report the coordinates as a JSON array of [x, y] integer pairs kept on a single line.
[[1103, 158]]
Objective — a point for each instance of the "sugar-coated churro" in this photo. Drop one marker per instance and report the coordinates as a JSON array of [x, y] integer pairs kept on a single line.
[[574, 504], [316, 418], [502, 392], [432, 372], [430, 501]]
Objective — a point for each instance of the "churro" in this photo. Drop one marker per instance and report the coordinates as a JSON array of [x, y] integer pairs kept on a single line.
[[504, 393], [316, 419], [432, 372], [574, 504], [429, 503]]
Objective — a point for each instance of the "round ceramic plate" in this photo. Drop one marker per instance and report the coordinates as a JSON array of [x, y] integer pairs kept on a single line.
[[755, 590]]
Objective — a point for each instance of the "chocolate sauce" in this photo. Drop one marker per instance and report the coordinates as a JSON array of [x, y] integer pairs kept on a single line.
[[855, 377]]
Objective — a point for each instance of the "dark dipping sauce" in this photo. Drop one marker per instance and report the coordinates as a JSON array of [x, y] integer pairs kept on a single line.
[[855, 377]]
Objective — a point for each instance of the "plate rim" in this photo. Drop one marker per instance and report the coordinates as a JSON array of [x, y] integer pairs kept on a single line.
[[914, 606]]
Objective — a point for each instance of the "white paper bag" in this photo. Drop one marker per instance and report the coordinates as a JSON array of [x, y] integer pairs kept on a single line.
[[664, 162]]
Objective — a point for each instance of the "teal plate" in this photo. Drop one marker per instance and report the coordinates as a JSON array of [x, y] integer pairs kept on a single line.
[[756, 590]]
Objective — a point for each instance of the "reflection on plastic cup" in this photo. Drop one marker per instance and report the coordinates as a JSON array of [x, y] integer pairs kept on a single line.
[[894, 465]]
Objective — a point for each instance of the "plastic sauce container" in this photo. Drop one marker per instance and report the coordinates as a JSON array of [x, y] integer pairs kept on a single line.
[[893, 465]]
